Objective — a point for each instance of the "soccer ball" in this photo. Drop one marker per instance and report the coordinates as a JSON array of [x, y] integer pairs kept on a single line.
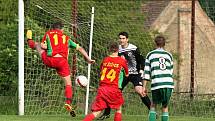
[[81, 81]]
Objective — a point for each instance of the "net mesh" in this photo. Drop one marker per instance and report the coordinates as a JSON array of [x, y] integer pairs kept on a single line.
[[43, 87], [143, 20]]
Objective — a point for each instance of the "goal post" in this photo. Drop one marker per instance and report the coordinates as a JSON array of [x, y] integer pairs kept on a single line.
[[42, 92], [44, 89], [89, 65], [21, 57]]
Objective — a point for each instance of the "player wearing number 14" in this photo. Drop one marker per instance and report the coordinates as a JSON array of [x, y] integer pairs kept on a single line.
[[108, 93]]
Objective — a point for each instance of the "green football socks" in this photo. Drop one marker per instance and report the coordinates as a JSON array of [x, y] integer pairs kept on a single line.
[[152, 115], [165, 116]]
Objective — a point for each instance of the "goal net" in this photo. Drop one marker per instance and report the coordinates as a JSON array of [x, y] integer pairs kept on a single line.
[[143, 20], [44, 89]]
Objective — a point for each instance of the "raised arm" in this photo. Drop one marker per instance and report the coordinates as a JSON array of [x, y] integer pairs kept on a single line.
[[81, 50], [147, 75], [84, 53]]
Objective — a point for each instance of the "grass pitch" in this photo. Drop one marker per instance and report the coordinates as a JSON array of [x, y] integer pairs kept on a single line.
[[79, 118]]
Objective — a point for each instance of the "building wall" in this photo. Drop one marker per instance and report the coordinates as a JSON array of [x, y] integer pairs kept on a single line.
[[175, 23]]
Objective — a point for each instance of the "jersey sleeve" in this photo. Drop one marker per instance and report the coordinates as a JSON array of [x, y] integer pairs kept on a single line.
[[46, 44], [171, 64], [121, 77], [147, 70], [73, 44], [44, 39], [125, 66], [101, 64], [140, 60]]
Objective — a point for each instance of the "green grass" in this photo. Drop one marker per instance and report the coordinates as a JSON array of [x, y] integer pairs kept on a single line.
[[79, 118]]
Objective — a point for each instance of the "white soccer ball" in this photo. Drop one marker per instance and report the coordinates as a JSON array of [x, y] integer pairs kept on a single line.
[[81, 81]]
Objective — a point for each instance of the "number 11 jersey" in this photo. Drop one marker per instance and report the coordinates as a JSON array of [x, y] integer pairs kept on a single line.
[[57, 43]]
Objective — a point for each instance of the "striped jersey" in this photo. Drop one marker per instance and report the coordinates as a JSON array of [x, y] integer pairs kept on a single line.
[[159, 69], [134, 59]]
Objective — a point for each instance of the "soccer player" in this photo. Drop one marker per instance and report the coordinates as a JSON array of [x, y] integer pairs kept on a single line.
[[108, 93], [53, 51], [135, 66], [159, 70]]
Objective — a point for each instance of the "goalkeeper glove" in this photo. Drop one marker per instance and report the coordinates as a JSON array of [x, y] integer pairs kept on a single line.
[[29, 34]]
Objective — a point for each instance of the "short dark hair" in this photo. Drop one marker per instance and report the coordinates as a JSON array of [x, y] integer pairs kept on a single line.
[[124, 34], [160, 41], [57, 25], [113, 46]]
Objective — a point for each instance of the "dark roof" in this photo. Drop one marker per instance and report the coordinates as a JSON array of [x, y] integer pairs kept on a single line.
[[152, 10]]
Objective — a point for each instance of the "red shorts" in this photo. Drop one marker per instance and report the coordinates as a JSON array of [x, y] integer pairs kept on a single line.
[[107, 97], [59, 63]]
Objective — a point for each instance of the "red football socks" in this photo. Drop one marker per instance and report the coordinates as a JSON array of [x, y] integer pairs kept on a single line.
[[68, 93], [89, 117], [118, 116], [31, 43]]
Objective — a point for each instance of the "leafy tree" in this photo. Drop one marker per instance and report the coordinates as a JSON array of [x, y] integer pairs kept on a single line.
[[208, 6], [8, 47]]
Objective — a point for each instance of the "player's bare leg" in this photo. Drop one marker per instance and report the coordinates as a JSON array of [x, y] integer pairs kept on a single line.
[[92, 116], [145, 99], [38, 48], [165, 114], [32, 44]]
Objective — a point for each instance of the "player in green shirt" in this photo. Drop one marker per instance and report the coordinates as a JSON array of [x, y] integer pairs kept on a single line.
[[159, 70]]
